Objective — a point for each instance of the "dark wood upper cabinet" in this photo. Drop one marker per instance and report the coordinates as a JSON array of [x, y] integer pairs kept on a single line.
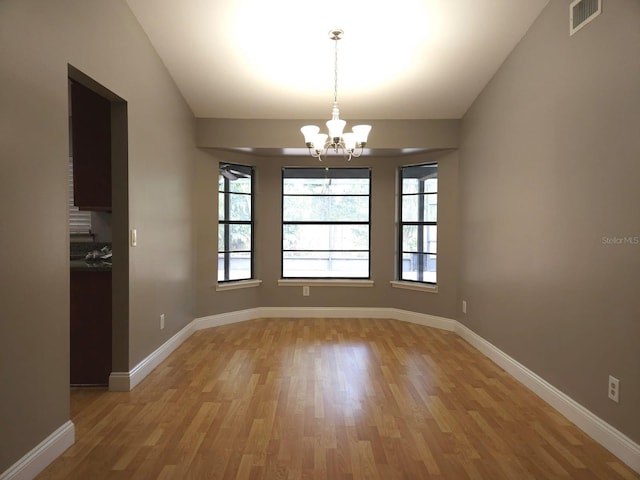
[[91, 148]]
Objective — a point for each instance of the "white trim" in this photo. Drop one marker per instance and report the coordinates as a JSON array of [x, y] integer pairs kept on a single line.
[[324, 312], [358, 312], [119, 382], [424, 319], [220, 319], [325, 283], [42, 455], [221, 287], [126, 381], [420, 287], [612, 439]]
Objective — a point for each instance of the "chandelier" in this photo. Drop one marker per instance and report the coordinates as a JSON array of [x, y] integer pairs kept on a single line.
[[349, 144]]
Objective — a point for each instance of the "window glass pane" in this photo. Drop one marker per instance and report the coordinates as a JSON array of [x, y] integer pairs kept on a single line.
[[418, 267], [325, 237], [239, 266], [325, 186], [420, 178], [410, 185], [410, 238], [239, 207], [419, 238], [430, 235], [420, 208], [325, 208], [431, 208], [431, 185], [221, 200], [325, 264], [240, 185], [239, 237]]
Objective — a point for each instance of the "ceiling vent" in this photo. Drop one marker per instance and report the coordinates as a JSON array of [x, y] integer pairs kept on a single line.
[[582, 12]]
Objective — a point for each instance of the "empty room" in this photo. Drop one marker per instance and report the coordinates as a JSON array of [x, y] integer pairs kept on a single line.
[[339, 240]]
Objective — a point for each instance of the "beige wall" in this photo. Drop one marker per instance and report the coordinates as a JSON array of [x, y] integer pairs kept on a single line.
[[549, 167], [267, 238], [395, 134], [38, 38]]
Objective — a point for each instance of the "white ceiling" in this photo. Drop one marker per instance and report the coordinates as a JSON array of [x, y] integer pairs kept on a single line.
[[406, 59]]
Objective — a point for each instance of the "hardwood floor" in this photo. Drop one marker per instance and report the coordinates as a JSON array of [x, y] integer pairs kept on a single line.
[[327, 399]]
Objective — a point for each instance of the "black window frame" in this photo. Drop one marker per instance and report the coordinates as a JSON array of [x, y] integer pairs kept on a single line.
[[322, 172], [420, 251], [226, 250]]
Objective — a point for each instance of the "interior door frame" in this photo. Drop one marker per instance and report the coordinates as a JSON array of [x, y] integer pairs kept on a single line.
[[119, 219]]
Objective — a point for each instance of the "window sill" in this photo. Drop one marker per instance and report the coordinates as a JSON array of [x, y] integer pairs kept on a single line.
[[221, 287], [325, 283], [420, 287]]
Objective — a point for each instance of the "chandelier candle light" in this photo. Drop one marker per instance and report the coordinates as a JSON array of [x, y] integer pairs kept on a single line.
[[350, 144]]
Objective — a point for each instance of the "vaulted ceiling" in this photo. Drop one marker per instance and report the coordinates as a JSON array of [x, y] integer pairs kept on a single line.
[[273, 59]]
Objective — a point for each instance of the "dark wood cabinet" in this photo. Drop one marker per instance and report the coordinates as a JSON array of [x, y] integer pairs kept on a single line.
[[91, 148], [90, 332]]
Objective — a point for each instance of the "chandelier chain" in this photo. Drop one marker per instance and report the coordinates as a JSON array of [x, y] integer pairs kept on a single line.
[[335, 72]]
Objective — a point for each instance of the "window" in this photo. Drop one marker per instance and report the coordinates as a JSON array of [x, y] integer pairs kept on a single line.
[[418, 230], [235, 223], [325, 222], [79, 220]]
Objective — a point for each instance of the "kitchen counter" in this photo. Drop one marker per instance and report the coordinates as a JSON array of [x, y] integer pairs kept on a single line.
[[97, 266], [78, 252]]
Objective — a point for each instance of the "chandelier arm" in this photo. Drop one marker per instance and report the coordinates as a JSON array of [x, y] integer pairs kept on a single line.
[[322, 154], [359, 150], [314, 153], [347, 154]]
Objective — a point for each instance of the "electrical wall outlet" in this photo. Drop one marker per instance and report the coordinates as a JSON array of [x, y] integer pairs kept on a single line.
[[464, 306], [162, 321], [614, 389], [305, 291]]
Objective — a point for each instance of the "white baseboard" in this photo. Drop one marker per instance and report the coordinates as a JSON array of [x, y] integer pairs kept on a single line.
[[42, 455], [325, 312], [613, 440], [225, 318], [126, 381], [423, 319]]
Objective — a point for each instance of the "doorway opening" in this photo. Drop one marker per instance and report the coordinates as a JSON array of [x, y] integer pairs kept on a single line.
[[99, 253]]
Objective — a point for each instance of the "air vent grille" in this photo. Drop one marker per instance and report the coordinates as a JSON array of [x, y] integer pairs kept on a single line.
[[582, 12]]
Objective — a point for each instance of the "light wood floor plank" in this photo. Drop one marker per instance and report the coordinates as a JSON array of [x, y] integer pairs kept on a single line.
[[327, 399]]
